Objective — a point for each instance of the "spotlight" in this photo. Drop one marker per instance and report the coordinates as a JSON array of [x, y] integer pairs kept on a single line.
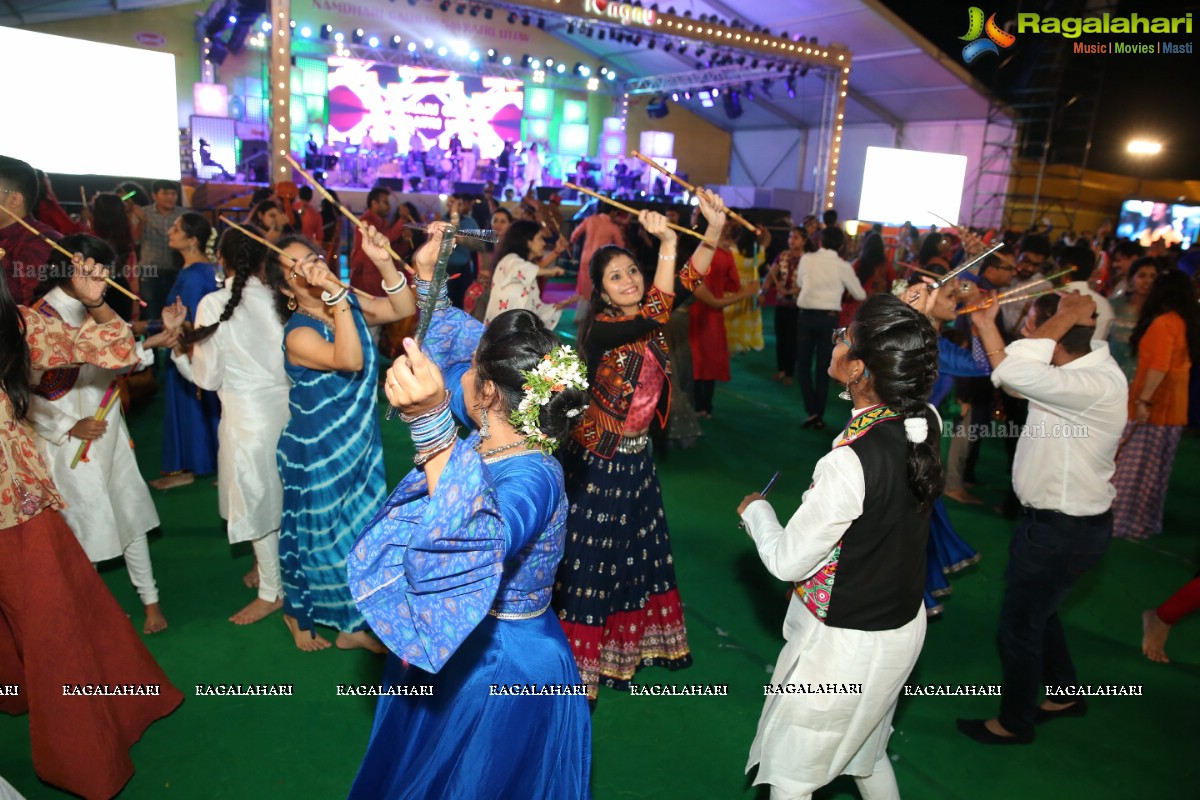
[[396, 42], [570, 28], [687, 95], [749, 91], [549, 62], [541, 24], [612, 76], [560, 69], [412, 47], [460, 9], [525, 20], [668, 47], [604, 70], [716, 92], [651, 42], [591, 33], [526, 60], [487, 13], [474, 11], [803, 71], [699, 52], [675, 96], [373, 41], [601, 36], [444, 5], [473, 57], [733, 104], [766, 86], [593, 84], [506, 61], [754, 64], [535, 65], [442, 51], [492, 55], [429, 44], [583, 70], [326, 32], [657, 108], [305, 32], [339, 37], [266, 27], [357, 36], [512, 18], [790, 83], [683, 48]]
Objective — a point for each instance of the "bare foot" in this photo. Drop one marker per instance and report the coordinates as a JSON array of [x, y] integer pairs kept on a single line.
[[1154, 637], [307, 641], [361, 640], [171, 481], [1049, 705], [251, 577], [995, 727], [963, 496], [787, 381], [255, 610], [155, 621], [778, 376]]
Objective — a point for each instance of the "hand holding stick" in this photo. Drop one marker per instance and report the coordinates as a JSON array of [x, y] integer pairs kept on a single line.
[[106, 404], [738, 218], [70, 255], [280, 251], [629, 210]]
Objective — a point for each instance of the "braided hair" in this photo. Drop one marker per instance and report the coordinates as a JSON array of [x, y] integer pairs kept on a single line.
[[898, 348], [244, 258]]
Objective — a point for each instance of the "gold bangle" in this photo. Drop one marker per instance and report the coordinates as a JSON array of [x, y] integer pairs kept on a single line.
[[994, 352]]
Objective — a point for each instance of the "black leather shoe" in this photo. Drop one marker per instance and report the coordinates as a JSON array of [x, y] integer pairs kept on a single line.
[[977, 730], [819, 425], [811, 421], [1077, 709]]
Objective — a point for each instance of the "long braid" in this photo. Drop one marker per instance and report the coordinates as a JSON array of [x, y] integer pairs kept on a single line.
[[899, 348], [244, 257]]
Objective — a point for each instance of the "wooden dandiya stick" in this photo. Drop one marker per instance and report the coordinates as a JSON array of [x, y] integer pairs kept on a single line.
[[963, 231], [280, 251], [631, 210], [1006, 301], [1047, 279], [358, 223], [915, 268], [110, 399], [70, 255], [733, 215]]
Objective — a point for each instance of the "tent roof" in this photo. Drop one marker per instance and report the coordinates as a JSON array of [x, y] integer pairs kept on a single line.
[[897, 76]]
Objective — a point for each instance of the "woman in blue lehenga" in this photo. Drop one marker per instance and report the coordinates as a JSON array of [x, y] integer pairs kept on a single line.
[[946, 552], [330, 454], [455, 572], [190, 423]]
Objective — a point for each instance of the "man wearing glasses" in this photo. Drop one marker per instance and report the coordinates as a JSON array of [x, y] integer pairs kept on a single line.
[[1031, 267], [821, 278]]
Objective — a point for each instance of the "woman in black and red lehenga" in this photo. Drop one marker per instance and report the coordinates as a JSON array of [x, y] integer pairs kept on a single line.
[[615, 594]]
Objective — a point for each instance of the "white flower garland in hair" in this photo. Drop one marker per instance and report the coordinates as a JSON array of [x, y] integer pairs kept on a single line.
[[899, 287], [558, 370]]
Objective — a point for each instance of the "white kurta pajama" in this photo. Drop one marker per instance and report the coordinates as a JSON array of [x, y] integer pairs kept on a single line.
[[108, 505], [805, 740], [243, 363]]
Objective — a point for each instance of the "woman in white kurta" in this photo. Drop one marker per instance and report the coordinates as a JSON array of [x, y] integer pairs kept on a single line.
[[514, 277], [237, 352], [865, 520], [108, 505]]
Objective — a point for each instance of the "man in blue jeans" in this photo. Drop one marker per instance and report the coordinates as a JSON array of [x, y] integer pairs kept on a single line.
[[821, 278], [1062, 476]]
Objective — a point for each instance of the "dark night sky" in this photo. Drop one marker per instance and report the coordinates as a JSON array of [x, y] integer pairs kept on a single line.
[[1143, 96]]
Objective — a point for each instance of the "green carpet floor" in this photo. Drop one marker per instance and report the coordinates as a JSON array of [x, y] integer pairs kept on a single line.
[[310, 745]]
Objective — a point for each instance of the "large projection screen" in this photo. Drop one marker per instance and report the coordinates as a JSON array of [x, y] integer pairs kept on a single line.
[[911, 186], [72, 119]]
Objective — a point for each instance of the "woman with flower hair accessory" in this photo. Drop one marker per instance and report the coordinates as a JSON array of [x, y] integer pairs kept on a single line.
[[864, 521], [615, 594], [455, 571]]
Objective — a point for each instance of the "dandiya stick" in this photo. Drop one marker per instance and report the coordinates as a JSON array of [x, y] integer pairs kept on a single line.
[[963, 231], [1008, 300], [281, 252], [733, 215], [69, 255], [633, 211], [915, 268], [358, 223], [1047, 279], [110, 399]]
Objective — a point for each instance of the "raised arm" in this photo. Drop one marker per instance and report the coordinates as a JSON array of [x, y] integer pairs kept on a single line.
[[104, 339], [399, 302], [656, 225], [714, 211], [307, 348]]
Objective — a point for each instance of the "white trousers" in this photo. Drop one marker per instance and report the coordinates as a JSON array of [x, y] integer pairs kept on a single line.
[[266, 551], [141, 571], [879, 785]]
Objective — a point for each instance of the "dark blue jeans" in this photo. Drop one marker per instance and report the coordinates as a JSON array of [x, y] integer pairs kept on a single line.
[[814, 331], [1048, 554]]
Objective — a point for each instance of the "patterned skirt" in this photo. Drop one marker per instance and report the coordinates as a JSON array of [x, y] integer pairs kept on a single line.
[[946, 554], [1143, 472], [615, 593]]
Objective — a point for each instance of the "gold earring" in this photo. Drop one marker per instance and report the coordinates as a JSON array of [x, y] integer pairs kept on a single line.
[[291, 304]]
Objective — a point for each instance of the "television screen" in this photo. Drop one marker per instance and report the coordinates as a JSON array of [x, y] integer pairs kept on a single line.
[[911, 186], [390, 102], [1149, 221], [75, 122]]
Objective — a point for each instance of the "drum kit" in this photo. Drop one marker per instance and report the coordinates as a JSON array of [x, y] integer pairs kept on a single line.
[[354, 165]]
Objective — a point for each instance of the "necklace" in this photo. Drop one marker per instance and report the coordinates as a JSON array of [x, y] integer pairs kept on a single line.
[[518, 454], [313, 316], [501, 448]]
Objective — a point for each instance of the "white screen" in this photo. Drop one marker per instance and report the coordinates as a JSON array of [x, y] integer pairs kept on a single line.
[[89, 108], [906, 185]]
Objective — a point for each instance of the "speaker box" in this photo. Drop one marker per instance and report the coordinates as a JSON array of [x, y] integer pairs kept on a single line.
[[544, 193], [395, 184], [468, 187]]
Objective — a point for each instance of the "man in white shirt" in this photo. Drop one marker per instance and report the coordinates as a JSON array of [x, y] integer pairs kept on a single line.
[[821, 277], [1062, 476], [1084, 261]]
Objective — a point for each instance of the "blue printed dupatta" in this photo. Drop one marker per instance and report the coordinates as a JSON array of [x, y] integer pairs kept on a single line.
[[425, 570]]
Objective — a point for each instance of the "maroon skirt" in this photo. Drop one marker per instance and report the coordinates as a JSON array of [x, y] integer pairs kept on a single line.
[[64, 641]]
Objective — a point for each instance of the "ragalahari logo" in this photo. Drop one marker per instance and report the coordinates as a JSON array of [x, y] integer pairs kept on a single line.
[[996, 36]]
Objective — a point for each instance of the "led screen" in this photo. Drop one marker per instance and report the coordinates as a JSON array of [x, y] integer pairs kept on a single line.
[[73, 119], [907, 185], [1150, 221]]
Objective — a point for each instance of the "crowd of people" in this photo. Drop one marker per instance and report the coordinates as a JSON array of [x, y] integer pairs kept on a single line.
[[272, 370]]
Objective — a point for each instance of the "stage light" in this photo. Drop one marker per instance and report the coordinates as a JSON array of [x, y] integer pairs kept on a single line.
[[474, 11], [373, 41], [326, 32], [461, 8], [687, 95], [790, 83], [429, 44], [412, 47], [716, 92], [584, 70], [604, 70], [541, 24], [593, 84], [535, 64], [754, 64], [766, 86], [358, 36], [305, 32], [442, 51], [1142, 147], [591, 33], [675, 96], [683, 48], [444, 6], [506, 61], [539, 76], [570, 28], [699, 52], [492, 56], [473, 57], [560, 69], [651, 42], [396, 42], [512, 18], [266, 27], [749, 91], [526, 60], [733, 104], [612, 76], [487, 13], [339, 37], [525, 21], [549, 62], [601, 36], [657, 108], [232, 19]]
